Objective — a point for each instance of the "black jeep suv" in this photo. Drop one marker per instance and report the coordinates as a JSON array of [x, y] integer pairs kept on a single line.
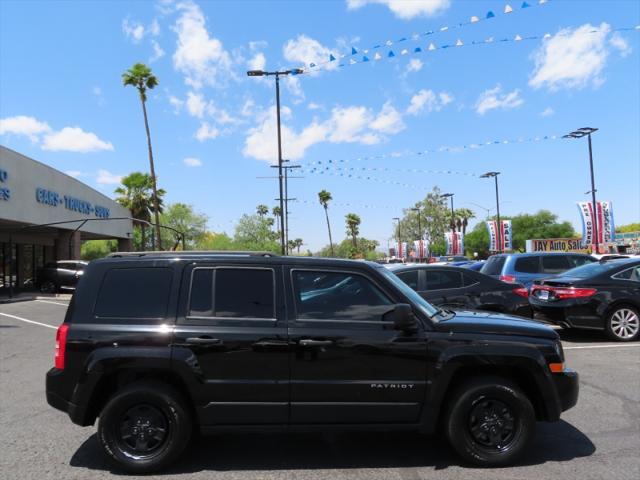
[[157, 345]]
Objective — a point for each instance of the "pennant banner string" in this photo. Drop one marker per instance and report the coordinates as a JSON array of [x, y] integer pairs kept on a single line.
[[492, 40], [347, 205], [335, 168], [361, 177], [339, 57], [443, 148]]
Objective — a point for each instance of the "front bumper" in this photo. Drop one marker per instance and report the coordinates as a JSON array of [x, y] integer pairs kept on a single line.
[[568, 387]]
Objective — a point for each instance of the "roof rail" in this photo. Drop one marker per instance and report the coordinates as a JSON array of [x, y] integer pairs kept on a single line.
[[221, 253]]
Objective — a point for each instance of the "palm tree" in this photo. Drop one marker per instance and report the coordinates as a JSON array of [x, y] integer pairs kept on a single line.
[[324, 198], [464, 215], [297, 243], [135, 195], [141, 77], [262, 210], [353, 222]]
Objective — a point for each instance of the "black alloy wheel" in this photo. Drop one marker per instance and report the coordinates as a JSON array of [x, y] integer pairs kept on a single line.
[[492, 423], [143, 430]]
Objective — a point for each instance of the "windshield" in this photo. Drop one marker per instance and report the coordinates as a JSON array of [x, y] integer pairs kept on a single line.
[[590, 269], [416, 299]]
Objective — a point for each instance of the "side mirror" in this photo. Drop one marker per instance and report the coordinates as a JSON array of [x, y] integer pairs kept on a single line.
[[403, 318]]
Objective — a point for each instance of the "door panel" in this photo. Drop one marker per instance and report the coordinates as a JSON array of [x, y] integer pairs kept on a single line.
[[350, 366], [235, 340]]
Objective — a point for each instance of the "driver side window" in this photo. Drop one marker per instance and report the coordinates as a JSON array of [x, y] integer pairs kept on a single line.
[[341, 296]]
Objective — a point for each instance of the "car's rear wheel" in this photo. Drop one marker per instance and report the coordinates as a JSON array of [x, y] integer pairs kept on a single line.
[[490, 421], [144, 427], [623, 323]]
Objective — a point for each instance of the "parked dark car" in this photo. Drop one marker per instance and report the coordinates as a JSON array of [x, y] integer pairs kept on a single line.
[[475, 266], [451, 258], [156, 345], [61, 275], [524, 268], [603, 296], [459, 288]]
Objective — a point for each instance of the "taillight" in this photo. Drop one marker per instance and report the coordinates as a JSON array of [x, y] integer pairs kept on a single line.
[[522, 291], [508, 278], [61, 345], [563, 293]]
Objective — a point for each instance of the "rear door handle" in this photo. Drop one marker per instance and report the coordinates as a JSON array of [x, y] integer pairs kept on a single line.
[[307, 342], [204, 341], [271, 343]]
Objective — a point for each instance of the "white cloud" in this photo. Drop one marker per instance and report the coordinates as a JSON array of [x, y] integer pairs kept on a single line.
[[406, 9], [158, 52], [201, 58], [107, 178], [206, 132], [133, 30], [414, 65], [196, 104], [305, 50], [74, 173], [348, 123], [314, 106], [295, 89], [494, 98], [547, 112], [619, 42], [389, 120], [176, 103], [428, 100], [573, 58], [97, 92], [192, 162], [248, 109], [74, 139], [257, 62], [23, 125], [154, 28]]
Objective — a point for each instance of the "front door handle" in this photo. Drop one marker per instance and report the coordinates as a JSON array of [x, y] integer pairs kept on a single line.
[[204, 341], [307, 342]]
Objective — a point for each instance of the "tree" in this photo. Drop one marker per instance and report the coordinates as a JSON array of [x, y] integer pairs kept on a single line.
[[463, 215], [182, 217], [297, 243], [141, 77], [215, 241], [135, 195], [628, 228], [94, 249], [253, 232], [324, 198], [366, 249], [275, 211], [262, 210], [353, 223]]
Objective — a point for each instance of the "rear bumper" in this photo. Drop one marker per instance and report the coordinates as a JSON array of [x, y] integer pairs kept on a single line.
[[76, 413], [568, 388]]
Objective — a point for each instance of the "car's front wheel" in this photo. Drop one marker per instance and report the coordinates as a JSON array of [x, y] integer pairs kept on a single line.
[[623, 323], [490, 421], [144, 427]]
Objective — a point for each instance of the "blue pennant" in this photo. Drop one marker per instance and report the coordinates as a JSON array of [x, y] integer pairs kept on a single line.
[[391, 54], [331, 58], [376, 46], [490, 14], [311, 65], [365, 59], [525, 5], [353, 51], [402, 39], [341, 65], [417, 50]]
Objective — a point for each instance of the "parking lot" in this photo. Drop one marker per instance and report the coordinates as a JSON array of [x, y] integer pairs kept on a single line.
[[599, 438]]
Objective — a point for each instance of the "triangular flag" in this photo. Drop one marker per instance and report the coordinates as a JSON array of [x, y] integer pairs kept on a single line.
[[365, 59], [525, 5], [331, 58], [342, 55], [402, 39], [546, 35], [432, 46], [489, 40], [414, 36], [352, 61], [388, 43], [542, 2], [474, 19], [518, 38], [507, 8], [490, 14], [404, 52], [391, 54], [417, 50], [444, 29], [312, 65], [353, 51], [459, 43], [377, 56], [376, 46]]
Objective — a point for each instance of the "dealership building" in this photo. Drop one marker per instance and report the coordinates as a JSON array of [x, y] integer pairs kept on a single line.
[[45, 215]]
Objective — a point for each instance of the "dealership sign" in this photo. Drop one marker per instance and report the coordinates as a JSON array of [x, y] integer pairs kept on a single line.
[[602, 217], [556, 245], [506, 237]]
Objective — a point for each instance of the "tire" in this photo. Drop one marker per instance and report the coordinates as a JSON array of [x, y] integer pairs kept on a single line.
[[623, 323], [144, 427], [48, 287], [505, 405]]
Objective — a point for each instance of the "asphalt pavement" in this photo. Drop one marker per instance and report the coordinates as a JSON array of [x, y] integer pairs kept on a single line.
[[597, 439]]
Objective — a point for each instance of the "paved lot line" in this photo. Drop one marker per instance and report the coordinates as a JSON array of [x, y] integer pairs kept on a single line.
[[53, 303], [602, 346], [28, 321]]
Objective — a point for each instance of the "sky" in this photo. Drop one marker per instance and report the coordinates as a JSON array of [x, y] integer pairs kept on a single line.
[[427, 116]]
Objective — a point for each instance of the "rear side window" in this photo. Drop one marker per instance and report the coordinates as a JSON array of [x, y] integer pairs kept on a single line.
[[442, 279], [469, 280], [578, 261], [493, 266], [134, 293], [527, 265], [232, 293], [555, 264], [410, 278]]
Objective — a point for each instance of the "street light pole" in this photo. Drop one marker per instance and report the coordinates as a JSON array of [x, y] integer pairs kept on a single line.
[[398, 220], [579, 133], [261, 73], [498, 224], [453, 219]]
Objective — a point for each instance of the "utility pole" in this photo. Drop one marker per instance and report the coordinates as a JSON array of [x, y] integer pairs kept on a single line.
[[499, 225], [285, 213]]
